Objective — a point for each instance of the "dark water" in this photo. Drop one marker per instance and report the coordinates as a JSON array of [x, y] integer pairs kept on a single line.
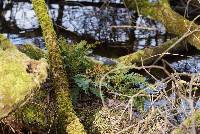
[[190, 64], [113, 25]]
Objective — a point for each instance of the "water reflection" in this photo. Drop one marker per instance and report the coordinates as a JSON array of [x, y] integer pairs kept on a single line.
[[22, 15], [189, 65], [113, 25]]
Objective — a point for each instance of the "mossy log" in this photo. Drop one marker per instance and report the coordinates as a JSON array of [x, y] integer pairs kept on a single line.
[[148, 55], [19, 75], [67, 118], [174, 22]]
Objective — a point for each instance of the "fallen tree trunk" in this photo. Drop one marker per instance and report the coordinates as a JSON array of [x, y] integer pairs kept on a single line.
[[148, 55], [69, 122], [174, 22]]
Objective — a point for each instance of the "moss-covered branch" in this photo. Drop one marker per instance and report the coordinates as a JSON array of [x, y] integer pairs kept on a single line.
[[68, 120], [147, 54], [32, 51], [174, 22]]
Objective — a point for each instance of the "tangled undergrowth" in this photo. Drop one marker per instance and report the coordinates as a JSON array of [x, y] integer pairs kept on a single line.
[[167, 108], [131, 104], [132, 100]]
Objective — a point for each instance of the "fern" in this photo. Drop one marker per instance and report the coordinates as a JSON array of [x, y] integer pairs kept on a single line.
[[86, 84], [76, 63], [82, 82], [119, 82], [74, 56]]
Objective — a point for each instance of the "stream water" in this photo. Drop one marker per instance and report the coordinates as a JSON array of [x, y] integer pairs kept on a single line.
[[111, 25]]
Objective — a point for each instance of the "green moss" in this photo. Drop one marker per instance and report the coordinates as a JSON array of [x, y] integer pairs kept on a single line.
[[87, 114], [33, 114], [5, 43], [32, 51], [132, 58], [195, 117], [146, 53], [178, 132], [16, 83], [38, 112]]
